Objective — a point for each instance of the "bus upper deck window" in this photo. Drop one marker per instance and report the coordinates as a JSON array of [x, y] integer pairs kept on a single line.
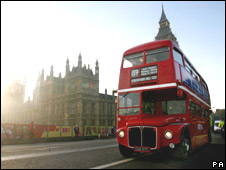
[[133, 60], [156, 55]]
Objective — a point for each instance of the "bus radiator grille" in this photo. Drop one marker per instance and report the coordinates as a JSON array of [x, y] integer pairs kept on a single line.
[[145, 137], [134, 137]]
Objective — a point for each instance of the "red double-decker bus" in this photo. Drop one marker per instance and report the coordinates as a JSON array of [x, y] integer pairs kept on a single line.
[[162, 101]]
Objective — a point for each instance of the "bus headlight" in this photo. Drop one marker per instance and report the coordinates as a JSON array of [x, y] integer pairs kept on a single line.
[[168, 134], [121, 133]]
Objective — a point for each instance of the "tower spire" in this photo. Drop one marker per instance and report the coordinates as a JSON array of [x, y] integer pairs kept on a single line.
[[164, 29], [163, 16]]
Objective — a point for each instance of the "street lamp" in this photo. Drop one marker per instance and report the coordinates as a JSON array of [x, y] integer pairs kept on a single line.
[[213, 108]]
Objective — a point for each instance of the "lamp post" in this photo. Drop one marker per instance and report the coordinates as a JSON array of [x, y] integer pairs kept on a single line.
[[115, 101], [213, 109]]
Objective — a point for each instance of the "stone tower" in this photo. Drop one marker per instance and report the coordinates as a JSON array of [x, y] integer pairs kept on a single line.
[[165, 30]]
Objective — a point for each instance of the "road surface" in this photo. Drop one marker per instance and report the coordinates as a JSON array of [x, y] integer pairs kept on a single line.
[[103, 154]]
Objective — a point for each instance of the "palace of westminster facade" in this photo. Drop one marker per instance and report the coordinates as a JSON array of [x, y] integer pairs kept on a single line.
[[74, 99]]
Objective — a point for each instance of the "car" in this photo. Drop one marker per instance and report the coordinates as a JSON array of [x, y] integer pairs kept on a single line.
[[216, 128]]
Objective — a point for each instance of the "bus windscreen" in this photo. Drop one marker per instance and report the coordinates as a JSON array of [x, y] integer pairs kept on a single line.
[[133, 60], [129, 104], [157, 55]]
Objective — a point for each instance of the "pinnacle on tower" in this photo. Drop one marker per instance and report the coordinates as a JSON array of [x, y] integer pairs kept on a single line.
[[67, 67], [97, 68], [80, 60], [67, 62], [51, 71], [42, 75]]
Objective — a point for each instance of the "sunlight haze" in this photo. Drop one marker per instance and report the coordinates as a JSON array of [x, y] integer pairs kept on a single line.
[[36, 35]]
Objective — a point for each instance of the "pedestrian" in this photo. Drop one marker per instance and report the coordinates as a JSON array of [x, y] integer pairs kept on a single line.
[[2, 131], [2, 134], [32, 131], [104, 133], [115, 129], [14, 131], [76, 129], [21, 133], [112, 131], [211, 121], [221, 125], [8, 133]]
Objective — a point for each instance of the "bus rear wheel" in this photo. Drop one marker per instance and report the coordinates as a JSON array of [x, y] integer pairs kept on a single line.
[[126, 152], [182, 151], [209, 136]]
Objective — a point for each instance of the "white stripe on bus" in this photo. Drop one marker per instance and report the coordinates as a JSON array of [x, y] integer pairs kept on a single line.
[[187, 90], [148, 87], [161, 86]]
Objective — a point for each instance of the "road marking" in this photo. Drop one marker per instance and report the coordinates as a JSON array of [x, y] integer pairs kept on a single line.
[[39, 146], [32, 155], [113, 164], [38, 149]]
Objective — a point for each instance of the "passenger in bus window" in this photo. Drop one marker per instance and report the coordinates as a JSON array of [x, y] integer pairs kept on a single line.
[[149, 107], [145, 106], [152, 107], [153, 59]]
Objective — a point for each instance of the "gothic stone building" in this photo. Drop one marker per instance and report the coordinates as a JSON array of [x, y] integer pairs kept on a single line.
[[74, 99]]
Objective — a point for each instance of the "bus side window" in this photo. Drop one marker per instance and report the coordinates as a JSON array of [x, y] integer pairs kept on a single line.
[[207, 115], [192, 108], [198, 110], [203, 112], [188, 67], [178, 57]]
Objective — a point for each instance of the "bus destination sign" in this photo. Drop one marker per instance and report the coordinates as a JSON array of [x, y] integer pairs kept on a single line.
[[146, 71], [143, 79]]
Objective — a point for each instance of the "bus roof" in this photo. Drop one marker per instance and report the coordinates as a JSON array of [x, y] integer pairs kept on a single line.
[[146, 46], [156, 44]]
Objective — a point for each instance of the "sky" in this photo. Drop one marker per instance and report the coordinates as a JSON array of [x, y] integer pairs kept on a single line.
[[36, 35]]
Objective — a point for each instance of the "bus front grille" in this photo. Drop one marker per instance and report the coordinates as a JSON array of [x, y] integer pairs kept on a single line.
[[142, 136]]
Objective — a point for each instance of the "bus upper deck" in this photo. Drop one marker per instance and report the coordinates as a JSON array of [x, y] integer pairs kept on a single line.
[[160, 64]]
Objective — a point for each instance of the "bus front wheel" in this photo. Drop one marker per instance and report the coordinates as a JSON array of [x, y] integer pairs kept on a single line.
[[183, 149], [126, 152]]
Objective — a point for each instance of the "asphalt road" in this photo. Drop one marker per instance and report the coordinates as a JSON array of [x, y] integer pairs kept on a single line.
[[103, 154]]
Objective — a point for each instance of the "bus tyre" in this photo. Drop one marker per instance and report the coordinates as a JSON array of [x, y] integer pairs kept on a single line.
[[126, 152], [183, 149]]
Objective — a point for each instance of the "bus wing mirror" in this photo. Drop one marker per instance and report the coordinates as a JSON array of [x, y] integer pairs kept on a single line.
[[114, 91]]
